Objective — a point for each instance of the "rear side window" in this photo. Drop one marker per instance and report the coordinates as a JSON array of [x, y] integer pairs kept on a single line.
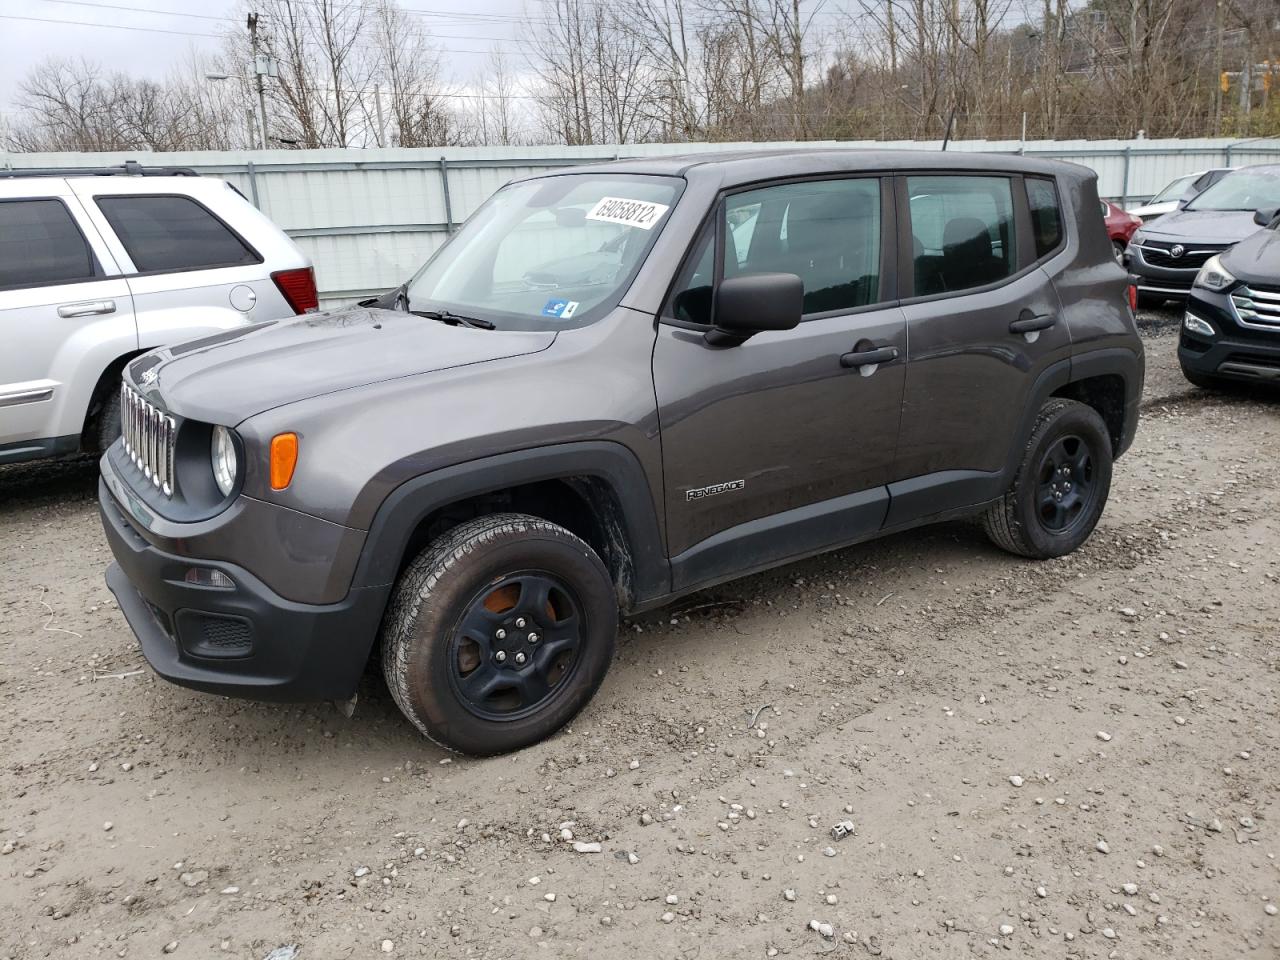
[[40, 244], [173, 233], [1046, 215], [962, 232], [827, 232]]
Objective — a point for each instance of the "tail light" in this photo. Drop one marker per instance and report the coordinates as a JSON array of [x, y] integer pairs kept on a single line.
[[299, 289], [1133, 296]]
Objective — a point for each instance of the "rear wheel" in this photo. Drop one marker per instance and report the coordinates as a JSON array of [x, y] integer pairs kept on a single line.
[[1118, 248], [105, 423], [1061, 485], [499, 633]]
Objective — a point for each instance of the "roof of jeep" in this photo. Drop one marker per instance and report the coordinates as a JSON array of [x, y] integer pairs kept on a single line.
[[747, 166]]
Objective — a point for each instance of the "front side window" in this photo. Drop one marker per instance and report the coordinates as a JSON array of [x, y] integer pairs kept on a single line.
[[1174, 191], [1046, 216], [962, 232], [1243, 190], [173, 233], [827, 232], [40, 244], [547, 254]]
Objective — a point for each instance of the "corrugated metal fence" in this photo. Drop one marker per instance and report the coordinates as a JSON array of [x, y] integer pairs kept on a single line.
[[369, 218]]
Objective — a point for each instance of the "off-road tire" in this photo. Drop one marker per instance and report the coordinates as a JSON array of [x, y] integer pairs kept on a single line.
[[438, 586], [1013, 522]]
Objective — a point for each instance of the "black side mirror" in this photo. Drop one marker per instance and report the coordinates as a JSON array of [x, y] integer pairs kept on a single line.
[[1263, 216], [745, 306], [1182, 204]]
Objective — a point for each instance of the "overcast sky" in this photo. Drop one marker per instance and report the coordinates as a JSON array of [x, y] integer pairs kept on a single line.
[[130, 35]]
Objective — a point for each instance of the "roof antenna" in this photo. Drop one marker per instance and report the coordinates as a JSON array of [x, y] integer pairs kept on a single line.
[[951, 117]]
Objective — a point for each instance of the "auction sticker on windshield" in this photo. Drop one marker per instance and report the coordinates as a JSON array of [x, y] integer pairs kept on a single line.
[[630, 213]]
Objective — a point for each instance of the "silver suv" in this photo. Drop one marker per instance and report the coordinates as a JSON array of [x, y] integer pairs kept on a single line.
[[99, 266]]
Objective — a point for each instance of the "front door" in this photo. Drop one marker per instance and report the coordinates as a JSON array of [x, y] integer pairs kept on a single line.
[[60, 313], [776, 448]]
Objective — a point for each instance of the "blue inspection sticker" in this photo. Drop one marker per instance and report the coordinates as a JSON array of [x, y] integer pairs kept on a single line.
[[563, 309]]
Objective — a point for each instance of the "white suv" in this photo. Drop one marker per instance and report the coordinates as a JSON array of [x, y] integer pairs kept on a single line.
[[98, 266]]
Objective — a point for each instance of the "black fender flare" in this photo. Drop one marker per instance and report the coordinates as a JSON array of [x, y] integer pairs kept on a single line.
[[614, 464], [1120, 361]]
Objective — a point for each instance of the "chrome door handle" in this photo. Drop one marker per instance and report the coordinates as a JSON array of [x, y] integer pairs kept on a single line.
[[87, 309]]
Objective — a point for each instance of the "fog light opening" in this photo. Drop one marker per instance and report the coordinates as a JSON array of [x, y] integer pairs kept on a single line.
[[205, 577], [1198, 325]]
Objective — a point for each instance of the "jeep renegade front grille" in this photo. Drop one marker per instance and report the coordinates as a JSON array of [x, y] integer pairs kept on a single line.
[[1258, 306], [148, 438]]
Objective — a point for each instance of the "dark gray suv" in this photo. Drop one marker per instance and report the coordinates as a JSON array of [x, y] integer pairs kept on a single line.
[[616, 385]]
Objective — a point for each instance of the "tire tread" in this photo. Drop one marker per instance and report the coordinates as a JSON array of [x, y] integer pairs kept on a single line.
[[417, 585]]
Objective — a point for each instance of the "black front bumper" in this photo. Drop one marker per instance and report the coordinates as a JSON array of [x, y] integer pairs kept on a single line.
[[1236, 351], [244, 640], [1246, 361]]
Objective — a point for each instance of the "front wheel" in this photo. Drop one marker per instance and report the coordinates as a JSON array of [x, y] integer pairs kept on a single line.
[[499, 633], [1061, 485]]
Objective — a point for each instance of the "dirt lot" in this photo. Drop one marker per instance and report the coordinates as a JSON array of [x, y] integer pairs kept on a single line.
[[1078, 758]]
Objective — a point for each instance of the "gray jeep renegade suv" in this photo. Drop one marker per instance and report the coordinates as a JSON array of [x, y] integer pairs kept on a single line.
[[616, 385]]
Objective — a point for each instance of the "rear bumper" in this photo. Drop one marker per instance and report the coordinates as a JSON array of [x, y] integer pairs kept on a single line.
[[245, 640]]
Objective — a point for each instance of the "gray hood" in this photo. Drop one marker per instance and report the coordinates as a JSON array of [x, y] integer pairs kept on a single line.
[[231, 376], [1202, 226]]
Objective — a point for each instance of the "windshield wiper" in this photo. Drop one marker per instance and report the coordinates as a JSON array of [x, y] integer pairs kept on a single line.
[[456, 319]]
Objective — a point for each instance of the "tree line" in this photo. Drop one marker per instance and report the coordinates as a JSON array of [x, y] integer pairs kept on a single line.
[[369, 73]]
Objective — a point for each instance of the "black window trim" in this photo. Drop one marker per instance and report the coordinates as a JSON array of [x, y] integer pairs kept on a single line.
[[714, 220], [99, 274], [1021, 225], [257, 256]]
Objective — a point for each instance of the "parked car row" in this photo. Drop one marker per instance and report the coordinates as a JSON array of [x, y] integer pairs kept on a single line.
[[1219, 254], [613, 386]]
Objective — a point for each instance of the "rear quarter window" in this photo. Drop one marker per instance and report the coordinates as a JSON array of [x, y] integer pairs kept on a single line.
[[40, 244], [166, 233], [1046, 214]]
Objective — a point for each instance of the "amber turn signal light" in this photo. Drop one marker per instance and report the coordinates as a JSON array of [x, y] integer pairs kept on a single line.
[[284, 457]]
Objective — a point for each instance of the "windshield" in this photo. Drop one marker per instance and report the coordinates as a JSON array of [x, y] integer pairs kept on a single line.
[[547, 254], [1242, 190], [1174, 191]]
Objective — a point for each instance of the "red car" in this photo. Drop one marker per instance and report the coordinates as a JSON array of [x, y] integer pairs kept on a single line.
[[1120, 226]]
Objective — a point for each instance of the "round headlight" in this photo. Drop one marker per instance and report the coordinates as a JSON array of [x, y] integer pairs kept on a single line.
[[225, 465]]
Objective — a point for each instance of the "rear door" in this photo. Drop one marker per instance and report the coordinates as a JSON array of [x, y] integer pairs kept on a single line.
[[982, 321], [189, 269], [64, 309], [778, 446]]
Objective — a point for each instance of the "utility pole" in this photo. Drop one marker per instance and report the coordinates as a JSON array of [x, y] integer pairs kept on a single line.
[[1217, 68], [259, 69], [382, 123]]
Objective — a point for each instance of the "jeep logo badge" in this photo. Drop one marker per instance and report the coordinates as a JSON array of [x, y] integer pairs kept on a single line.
[[1177, 250]]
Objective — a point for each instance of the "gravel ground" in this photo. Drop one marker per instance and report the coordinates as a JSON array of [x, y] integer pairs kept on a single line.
[[1076, 758]]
